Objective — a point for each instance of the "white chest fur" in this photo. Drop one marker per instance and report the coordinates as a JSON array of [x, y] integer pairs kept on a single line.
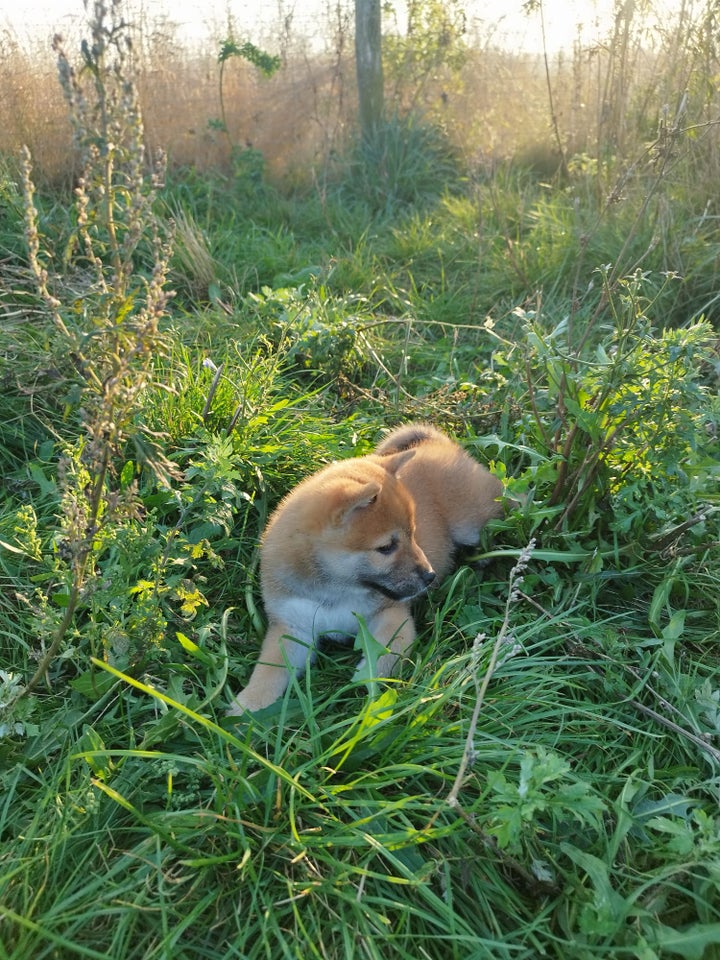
[[307, 619]]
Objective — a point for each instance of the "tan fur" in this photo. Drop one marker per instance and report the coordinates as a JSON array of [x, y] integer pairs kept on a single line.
[[364, 537]]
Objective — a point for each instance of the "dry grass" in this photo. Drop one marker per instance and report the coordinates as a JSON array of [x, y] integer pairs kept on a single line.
[[294, 118], [32, 109], [607, 98]]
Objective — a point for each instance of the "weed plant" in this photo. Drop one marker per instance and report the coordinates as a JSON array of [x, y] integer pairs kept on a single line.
[[542, 779]]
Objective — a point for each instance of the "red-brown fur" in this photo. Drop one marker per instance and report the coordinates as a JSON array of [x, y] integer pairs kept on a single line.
[[363, 537]]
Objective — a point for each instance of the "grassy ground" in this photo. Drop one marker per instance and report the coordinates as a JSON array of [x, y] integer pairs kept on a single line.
[[542, 780]]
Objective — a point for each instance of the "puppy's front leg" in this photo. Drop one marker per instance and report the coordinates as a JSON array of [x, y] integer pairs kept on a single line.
[[394, 628], [279, 654]]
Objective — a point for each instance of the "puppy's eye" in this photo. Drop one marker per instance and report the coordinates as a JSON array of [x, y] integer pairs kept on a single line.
[[387, 548]]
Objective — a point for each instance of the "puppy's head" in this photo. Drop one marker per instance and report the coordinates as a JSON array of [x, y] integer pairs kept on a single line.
[[368, 537]]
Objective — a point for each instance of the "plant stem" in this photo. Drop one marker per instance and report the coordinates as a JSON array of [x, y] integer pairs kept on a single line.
[[512, 596], [452, 797]]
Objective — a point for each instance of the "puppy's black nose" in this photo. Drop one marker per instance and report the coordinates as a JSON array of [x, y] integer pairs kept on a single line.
[[427, 577]]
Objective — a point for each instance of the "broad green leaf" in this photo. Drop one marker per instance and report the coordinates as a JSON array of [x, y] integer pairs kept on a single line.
[[690, 943], [371, 651]]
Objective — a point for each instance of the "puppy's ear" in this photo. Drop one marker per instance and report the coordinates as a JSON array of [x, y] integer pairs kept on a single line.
[[351, 500], [393, 461]]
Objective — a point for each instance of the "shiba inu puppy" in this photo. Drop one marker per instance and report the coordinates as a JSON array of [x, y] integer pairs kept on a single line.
[[363, 538]]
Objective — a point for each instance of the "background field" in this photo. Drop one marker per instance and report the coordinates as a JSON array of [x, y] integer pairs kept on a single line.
[[527, 254]]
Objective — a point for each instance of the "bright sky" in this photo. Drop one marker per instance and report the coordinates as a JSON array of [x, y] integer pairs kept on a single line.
[[512, 27]]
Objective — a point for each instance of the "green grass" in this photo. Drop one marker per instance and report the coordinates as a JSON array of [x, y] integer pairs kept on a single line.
[[541, 780]]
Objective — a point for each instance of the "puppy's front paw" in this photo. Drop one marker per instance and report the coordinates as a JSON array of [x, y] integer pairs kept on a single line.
[[237, 708], [247, 702], [264, 687], [387, 665]]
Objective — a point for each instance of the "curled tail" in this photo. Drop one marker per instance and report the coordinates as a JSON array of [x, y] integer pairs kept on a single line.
[[409, 436]]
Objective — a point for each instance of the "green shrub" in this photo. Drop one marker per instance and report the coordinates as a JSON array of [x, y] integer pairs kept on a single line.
[[408, 161]]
